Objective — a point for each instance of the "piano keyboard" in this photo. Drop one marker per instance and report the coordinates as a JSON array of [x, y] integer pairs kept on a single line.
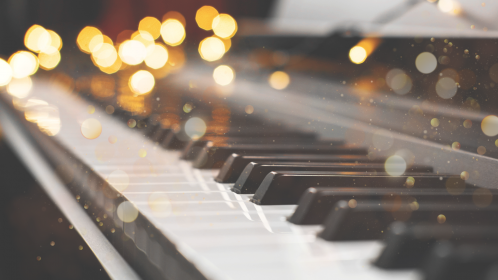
[[235, 227]]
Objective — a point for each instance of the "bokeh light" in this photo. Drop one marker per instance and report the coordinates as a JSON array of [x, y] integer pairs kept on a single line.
[[159, 203], [173, 32], [435, 122], [205, 16], [279, 80], [195, 128], [142, 82], [446, 88], [49, 60], [37, 38], [224, 26], [399, 81], [395, 165], [357, 54], [489, 125], [56, 41], [449, 7], [146, 39], [119, 180], [127, 212], [105, 56], [20, 88], [249, 109], [112, 139], [223, 75], [158, 57], [142, 153], [23, 64], [132, 52], [87, 35], [426, 62], [5, 72], [151, 25], [211, 49], [91, 128]]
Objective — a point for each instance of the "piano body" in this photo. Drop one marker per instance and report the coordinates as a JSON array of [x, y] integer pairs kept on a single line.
[[378, 169]]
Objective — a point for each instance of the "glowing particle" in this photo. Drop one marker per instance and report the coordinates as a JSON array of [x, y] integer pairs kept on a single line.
[[435, 122], [466, 51], [441, 219], [109, 109], [410, 182], [433, 40], [357, 54], [205, 16], [20, 88], [56, 41], [59, 220], [449, 6], [127, 212], [279, 80], [399, 81], [489, 125], [71, 227], [481, 150], [426, 62], [142, 82], [395, 165], [91, 128], [38, 258], [478, 56], [174, 15], [50, 59], [446, 88], [105, 56], [5, 72], [113, 139], [119, 179], [23, 64], [52, 243], [132, 52], [224, 26], [223, 75], [496, 143], [113, 230], [90, 109], [85, 206], [211, 48], [195, 128], [455, 146], [150, 25], [352, 203], [87, 35], [187, 108], [142, 153], [37, 38], [173, 32], [158, 57], [464, 175], [467, 123], [132, 123], [80, 247], [250, 109]]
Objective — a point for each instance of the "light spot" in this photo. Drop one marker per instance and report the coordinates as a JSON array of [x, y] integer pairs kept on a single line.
[[119, 180], [142, 153], [50, 59], [173, 32], [410, 182], [398, 81], [250, 109], [435, 122], [127, 212], [352, 203], [449, 7], [132, 52], [132, 123], [211, 49], [426, 62], [446, 88], [441, 219], [195, 128], [112, 139], [150, 25], [224, 26], [481, 150], [5, 72], [357, 54], [158, 57], [223, 75], [20, 88], [142, 82], [109, 109], [37, 38], [23, 64], [90, 109], [87, 35], [455, 146], [91, 128], [205, 16], [489, 125], [467, 123], [279, 80], [395, 165]]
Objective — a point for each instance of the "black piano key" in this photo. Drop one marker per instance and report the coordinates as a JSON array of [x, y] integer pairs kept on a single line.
[[214, 157], [286, 187], [235, 164], [448, 261], [253, 175], [368, 220], [314, 206], [194, 147], [408, 246]]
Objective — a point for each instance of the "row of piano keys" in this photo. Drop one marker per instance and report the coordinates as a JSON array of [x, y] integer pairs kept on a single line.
[[433, 222]]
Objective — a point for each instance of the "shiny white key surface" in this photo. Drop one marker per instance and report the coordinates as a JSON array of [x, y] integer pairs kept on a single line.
[[222, 233]]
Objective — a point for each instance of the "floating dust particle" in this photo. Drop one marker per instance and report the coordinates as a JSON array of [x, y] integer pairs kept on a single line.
[[101, 224], [352, 203], [98, 219], [80, 247], [481, 150], [466, 51], [433, 40], [38, 258], [60, 220], [467, 124], [71, 227], [132, 123], [496, 143], [113, 230], [52, 243], [455, 146], [478, 57], [464, 175], [435, 122], [441, 219], [86, 206], [446, 41], [78, 197], [410, 182]]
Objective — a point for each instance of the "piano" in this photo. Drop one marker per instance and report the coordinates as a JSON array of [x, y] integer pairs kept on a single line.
[[379, 170]]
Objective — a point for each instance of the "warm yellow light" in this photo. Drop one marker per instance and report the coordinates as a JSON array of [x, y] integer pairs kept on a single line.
[[56, 41], [279, 80], [224, 26], [20, 88], [23, 64], [227, 42], [5, 72], [91, 128], [489, 125], [158, 57], [87, 35], [113, 68], [37, 38], [132, 52], [357, 54], [195, 128], [174, 15], [98, 41], [105, 56], [151, 25], [395, 165], [146, 39], [173, 32], [211, 49], [449, 6], [223, 75], [49, 61], [142, 82], [205, 16]]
